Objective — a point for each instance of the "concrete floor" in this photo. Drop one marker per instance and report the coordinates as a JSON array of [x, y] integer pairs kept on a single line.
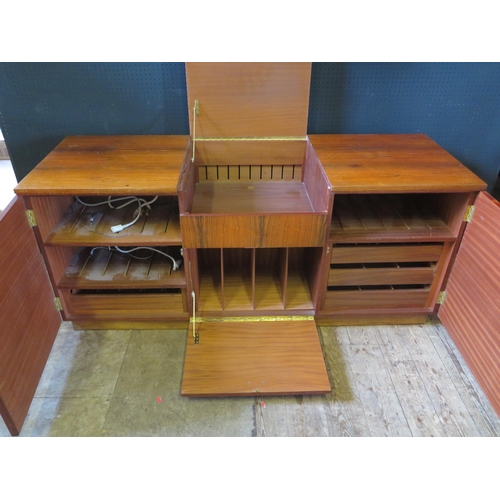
[[386, 381]]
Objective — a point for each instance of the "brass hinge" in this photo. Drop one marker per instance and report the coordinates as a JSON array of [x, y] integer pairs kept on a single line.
[[441, 298], [469, 213], [30, 214], [58, 304], [248, 319]]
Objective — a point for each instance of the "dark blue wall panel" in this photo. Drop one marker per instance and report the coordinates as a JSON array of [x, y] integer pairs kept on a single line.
[[457, 105], [41, 103]]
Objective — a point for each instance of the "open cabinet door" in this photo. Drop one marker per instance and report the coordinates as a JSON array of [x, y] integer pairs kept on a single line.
[[248, 357], [29, 320], [471, 310]]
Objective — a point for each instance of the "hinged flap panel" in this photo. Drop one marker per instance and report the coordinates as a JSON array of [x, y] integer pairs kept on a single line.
[[471, 312], [29, 321], [259, 357], [249, 99]]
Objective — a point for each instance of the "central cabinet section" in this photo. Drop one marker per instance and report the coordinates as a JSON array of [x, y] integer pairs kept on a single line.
[[255, 233]]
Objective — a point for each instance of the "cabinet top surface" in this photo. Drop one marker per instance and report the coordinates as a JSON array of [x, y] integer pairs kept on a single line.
[[150, 165], [109, 165], [391, 163]]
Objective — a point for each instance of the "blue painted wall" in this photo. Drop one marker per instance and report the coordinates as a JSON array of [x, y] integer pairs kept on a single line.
[[457, 105]]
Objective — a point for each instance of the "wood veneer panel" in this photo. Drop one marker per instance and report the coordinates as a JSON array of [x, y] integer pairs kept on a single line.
[[391, 163], [242, 359], [471, 311], [140, 306], [253, 231], [381, 276], [249, 99], [375, 299], [28, 316], [250, 153], [385, 253], [108, 165], [111, 269]]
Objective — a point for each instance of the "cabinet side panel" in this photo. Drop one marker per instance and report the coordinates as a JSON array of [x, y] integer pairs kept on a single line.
[[471, 311], [28, 316]]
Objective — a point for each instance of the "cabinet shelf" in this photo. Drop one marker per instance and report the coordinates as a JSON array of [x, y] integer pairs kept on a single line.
[[82, 225], [369, 218], [108, 269]]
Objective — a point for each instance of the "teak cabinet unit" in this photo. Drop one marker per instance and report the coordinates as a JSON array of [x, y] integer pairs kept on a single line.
[[275, 232]]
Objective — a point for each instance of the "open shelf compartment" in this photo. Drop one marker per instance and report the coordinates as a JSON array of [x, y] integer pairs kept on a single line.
[[91, 225], [252, 196], [359, 218]]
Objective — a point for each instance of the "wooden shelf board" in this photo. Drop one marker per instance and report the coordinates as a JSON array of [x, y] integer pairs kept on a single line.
[[240, 197], [367, 218], [107, 269], [87, 226]]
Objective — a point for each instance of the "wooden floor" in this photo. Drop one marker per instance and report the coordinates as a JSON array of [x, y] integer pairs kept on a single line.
[[386, 380]]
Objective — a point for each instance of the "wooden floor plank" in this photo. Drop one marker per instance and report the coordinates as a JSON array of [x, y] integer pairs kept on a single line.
[[383, 410], [475, 394], [441, 390], [475, 413], [419, 410]]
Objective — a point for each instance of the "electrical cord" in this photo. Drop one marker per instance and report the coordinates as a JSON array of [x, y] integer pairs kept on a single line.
[[130, 199], [177, 263]]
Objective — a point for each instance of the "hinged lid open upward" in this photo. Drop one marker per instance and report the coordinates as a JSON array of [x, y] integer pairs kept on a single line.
[[249, 99]]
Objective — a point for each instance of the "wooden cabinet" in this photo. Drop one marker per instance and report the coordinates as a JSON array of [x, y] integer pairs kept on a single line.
[[276, 231]]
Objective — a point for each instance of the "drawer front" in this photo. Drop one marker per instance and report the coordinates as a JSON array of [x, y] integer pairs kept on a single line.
[[342, 300], [136, 306], [381, 276], [253, 231], [347, 254]]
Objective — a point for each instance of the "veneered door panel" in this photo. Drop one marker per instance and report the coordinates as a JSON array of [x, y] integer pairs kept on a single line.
[[471, 311], [246, 358], [29, 321]]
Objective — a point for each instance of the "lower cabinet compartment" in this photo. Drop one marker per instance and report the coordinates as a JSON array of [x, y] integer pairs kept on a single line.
[[253, 279], [373, 276]]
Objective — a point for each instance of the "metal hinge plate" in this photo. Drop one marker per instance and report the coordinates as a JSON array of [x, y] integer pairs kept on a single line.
[[30, 214], [469, 213], [248, 319], [441, 298], [58, 304]]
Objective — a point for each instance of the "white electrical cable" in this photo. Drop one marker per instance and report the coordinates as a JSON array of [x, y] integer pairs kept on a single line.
[[131, 199], [176, 265]]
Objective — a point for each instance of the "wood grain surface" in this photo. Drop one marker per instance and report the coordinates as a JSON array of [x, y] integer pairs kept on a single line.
[[253, 231], [245, 359], [471, 311], [345, 254], [391, 163], [249, 99], [28, 316], [109, 165]]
